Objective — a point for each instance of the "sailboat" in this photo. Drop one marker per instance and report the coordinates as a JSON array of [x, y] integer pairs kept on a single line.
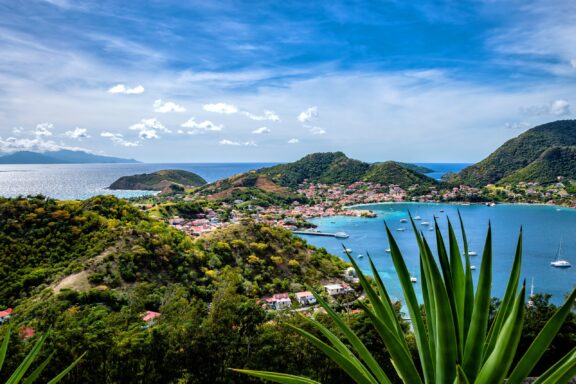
[[560, 263], [531, 298]]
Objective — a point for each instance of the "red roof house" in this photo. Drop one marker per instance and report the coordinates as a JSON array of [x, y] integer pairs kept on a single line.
[[150, 315]]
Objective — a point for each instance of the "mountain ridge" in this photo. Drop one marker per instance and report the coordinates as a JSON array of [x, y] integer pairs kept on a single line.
[[63, 156]]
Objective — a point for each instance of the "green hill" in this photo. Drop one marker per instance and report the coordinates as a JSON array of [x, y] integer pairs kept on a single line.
[[554, 162], [391, 172], [159, 180], [520, 152]]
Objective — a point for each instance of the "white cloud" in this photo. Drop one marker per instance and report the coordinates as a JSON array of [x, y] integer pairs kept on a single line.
[[118, 139], [223, 108], [201, 127], [518, 125], [77, 133], [560, 108], [293, 141], [12, 144], [121, 88], [268, 115], [166, 107], [317, 130], [261, 130], [237, 143], [148, 128], [17, 130], [308, 115], [43, 129], [556, 108]]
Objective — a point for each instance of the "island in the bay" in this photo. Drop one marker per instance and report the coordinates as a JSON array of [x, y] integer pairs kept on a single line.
[[168, 180], [180, 286]]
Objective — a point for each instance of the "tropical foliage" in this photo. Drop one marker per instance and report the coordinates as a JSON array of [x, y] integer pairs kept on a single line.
[[456, 341]]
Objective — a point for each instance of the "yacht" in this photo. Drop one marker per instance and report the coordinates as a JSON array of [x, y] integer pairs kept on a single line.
[[347, 250], [360, 256], [401, 229], [425, 223], [403, 220], [413, 279], [417, 218], [472, 253], [473, 267], [560, 263], [341, 235], [531, 297], [388, 250]]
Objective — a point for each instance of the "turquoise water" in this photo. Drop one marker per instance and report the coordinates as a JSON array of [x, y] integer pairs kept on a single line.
[[544, 226]]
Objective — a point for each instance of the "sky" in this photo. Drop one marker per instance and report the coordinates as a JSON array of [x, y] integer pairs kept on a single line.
[[271, 81]]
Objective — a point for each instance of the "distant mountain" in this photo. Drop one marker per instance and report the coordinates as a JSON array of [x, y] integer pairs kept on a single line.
[[158, 181], [327, 168], [60, 157], [516, 154]]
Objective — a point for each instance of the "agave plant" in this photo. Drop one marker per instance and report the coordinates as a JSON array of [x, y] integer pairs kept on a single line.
[[454, 341], [18, 375]]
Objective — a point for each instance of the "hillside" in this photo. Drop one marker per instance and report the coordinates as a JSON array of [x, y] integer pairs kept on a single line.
[[60, 157], [327, 168], [554, 162], [520, 152], [158, 181]]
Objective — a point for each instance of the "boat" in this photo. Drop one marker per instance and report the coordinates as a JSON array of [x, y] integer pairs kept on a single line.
[[360, 256], [341, 235], [388, 250], [560, 263], [473, 267], [431, 228], [417, 218], [347, 250], [401, 229], [441, 210], [413, 279], [472, 253], [425, 223], [403, 220], [531, 297]]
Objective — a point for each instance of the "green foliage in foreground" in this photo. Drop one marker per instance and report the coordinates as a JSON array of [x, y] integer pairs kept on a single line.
[[18, 375], [454, 340]]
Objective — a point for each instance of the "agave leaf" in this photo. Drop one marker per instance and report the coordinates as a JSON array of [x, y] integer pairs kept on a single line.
[[449, 284], [508, 300], [459, 281], [281, 378], [28, 360], [385, 303], [542, 341], [561, 372], [474, 349], [357, 344], [413, 307], [4, 347], [469, 293], [359, 375], [499, 361], [446, 345], [36, 373], [461, 376], [400, 356]]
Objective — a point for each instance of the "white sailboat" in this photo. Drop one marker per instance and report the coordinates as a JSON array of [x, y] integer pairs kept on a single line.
[[531, 298], [560, 263]]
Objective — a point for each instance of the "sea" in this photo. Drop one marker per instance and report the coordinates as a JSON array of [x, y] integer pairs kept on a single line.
[[544, 226]]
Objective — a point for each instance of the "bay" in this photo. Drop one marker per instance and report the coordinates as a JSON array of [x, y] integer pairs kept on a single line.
[[543, 226]]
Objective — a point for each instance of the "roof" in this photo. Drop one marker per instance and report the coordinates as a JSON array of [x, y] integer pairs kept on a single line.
[[333, 286], [27, 332], [304, 294], [6, 312], [278, 296], [150, 315]]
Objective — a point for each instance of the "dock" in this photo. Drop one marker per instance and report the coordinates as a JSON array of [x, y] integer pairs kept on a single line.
[[339, 235]]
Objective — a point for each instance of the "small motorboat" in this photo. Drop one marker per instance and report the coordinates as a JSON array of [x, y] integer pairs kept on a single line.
[[360, 256], [347, 250], [431, 228], [401, 229], [341, 235], [388, 250], [417, 218], [425, 223], [413, 279], [472, 253], [403, 220], [473, 267]]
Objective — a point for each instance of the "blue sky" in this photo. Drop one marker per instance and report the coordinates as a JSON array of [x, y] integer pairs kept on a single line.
[[204, 81]]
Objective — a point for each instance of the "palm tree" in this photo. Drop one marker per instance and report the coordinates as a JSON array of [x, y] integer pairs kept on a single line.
[[454, 340]]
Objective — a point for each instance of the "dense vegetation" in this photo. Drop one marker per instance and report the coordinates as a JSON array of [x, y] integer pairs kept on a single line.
[[159, 180], [206, 290], [391, 172], [554, 162], [520, 152]]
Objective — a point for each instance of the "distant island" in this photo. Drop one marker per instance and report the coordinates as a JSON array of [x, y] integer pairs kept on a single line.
[[168, 179], [61, 157]]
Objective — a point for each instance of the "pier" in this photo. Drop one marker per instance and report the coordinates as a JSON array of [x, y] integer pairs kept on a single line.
[[339, 235]]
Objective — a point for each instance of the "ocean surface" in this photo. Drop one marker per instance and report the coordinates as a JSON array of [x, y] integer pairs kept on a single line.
[[81, 181], [544, 227]]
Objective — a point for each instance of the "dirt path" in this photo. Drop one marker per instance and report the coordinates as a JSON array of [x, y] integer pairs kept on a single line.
[[79, 281]]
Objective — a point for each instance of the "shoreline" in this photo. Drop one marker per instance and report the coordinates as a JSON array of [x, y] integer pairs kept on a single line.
[[355, 206]]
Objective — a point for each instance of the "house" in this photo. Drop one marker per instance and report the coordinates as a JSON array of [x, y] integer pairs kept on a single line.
[[149, 317], [26, 332], [279, 301], [5, 315], [337, 289], [305, 298]]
